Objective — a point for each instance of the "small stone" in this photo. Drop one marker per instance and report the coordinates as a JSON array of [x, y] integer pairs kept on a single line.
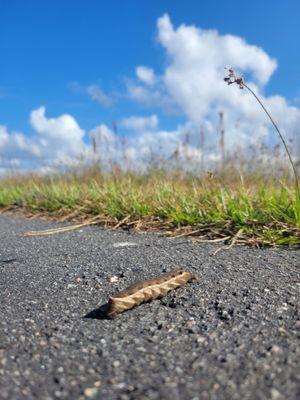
[[191, 323], [275, 394], [179, 370], [116, 363], [90, 392], [160, 324], [25, 391], [113, 279], [120, 386], [124, 244], [282, 331], [3, 361], [70, 286], [276, 349]]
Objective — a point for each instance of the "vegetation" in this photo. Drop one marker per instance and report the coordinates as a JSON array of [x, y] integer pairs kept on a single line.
[[222, 207], [228, 206]]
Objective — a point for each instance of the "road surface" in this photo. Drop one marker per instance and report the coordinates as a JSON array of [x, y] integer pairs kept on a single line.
[[234, 334]]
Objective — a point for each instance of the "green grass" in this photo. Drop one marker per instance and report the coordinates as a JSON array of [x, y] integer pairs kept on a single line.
[[254, 210]]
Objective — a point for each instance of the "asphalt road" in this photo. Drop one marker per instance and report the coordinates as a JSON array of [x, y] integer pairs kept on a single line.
[[234, 334]]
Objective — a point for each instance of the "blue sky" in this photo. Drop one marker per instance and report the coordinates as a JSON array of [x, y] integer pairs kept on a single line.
[[52, 51]]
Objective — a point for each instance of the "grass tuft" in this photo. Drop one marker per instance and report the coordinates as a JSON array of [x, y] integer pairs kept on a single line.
[[254, 210]]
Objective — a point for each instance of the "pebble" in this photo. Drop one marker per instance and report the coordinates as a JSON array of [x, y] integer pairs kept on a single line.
[[91, 392]]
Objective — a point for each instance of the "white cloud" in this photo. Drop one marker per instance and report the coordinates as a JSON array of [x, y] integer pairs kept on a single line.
[[190, 84], [193, 76], [139, 123], [57, 142], [61, 135], [94, 91], [144, 146], [15, 146], [207, 49], [193, 80], [63, 127], [3, 135], [145, 74], [152, 97], [97, 94], [102, 133]]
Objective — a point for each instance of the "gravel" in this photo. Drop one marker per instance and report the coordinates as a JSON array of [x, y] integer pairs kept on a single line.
[[234, 334]]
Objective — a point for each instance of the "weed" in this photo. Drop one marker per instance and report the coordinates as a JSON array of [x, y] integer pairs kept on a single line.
[[256, 210]]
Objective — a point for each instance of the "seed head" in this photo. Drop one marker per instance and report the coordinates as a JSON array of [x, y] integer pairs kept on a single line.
[[233, 78]]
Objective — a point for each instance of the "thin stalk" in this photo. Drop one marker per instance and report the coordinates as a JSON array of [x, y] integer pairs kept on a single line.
[[281, 137]]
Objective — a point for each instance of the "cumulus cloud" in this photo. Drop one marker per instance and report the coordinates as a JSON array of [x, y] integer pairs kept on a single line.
[[57, 142], [133, 150], [145, 74], [193, 77], [16, 147], [193, 81], [94, 91], [97, 94], [190, 84], [102, 133], [189, 45], [152, 97], [61, 134], [139, 123]]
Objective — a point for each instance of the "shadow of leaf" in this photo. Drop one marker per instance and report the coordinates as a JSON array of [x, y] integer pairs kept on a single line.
[[98, 313], [11, 260]]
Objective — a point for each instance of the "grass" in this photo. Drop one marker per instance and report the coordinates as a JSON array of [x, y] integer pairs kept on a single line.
[[255, 210], [223, 207]]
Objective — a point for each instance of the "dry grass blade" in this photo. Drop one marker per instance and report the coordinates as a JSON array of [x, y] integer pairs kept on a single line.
[[73, 215], [199, 240], [191, 233], [62, 229], [233, 242], [122, 222]]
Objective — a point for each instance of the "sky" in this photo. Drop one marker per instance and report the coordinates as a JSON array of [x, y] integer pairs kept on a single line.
[[147, 71]]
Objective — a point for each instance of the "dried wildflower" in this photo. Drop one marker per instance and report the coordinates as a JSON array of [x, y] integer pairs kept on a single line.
[[233, 78]]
